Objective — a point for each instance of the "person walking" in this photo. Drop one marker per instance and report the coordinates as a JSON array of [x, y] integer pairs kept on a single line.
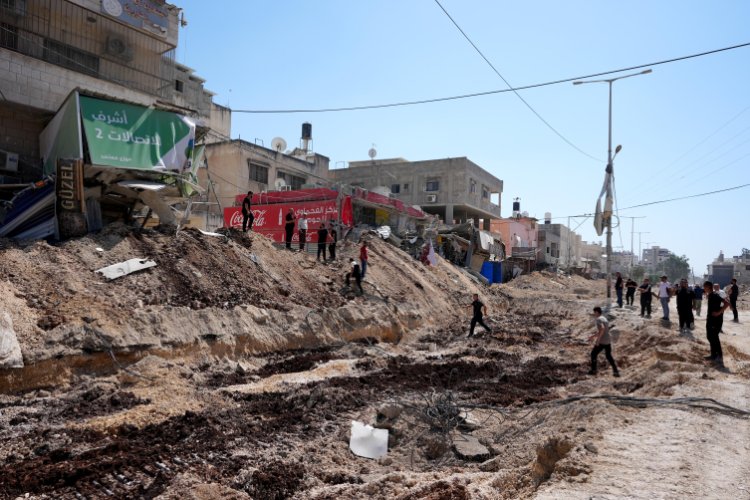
[[354, 272], [247, 212], [697, 301], [685, 297], [631, 286], [715, 307], [618, 289], [289, 228], [302, 230], [363, 258], [665, 293], [334, 239], [479, 311], [602, 342], [734, 293], [322, 241], [646, 296]]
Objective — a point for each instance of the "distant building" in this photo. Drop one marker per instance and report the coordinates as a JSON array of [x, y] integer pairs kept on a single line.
[[519, 234], [559, 246], [592, 257], [722, 270], [455, 189], [116, 50], [236, 167], [653, 257]]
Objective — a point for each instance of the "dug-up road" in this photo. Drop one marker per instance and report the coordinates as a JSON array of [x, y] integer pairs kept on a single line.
[[234, 370], [673, 453]]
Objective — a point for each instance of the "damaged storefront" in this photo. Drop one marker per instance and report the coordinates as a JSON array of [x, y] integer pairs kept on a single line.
[[106, 161]]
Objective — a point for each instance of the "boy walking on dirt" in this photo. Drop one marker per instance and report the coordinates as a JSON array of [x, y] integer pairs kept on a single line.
[[602, 342], [354, 273], [479, 311]]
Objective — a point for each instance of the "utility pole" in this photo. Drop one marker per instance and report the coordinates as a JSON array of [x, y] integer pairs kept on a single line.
[[610, 172], [632, 232], [639, 242]]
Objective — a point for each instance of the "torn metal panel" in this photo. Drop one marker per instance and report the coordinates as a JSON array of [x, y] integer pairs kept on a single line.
[[124, 268]]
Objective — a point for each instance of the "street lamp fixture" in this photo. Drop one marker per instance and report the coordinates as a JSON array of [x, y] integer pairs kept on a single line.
[[610, 171]]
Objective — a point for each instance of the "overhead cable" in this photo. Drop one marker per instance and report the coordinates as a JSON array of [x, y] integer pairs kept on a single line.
[[536, 113], [485, 93]]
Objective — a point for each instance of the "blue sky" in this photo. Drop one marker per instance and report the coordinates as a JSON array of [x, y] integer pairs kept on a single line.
[[685, 128]]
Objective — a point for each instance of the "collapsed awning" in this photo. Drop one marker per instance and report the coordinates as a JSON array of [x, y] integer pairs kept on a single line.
[[119, 135]]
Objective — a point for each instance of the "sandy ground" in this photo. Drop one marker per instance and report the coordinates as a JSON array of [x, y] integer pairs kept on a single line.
[[230, 379], [672, 453]]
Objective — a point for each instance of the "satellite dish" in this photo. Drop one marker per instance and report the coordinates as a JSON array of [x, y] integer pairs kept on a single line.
[[278, 144], [372, 153], [280, 183]]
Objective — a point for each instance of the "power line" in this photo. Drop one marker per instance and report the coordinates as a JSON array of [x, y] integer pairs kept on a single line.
[[485, 93], [687, 197], [549, 126]]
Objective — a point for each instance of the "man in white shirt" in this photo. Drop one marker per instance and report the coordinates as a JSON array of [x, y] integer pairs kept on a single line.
[[665, 292], [302, 226]]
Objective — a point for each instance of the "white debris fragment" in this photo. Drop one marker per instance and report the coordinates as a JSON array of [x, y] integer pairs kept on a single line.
[[367, 441], [124, 268]]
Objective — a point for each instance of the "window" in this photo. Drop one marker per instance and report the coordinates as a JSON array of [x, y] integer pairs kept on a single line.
[[432, 185], [70, 57], [8, 36], [179, 85], [258, 173], [395, 188], [291, 180], [473, 186], [406, 188], [485, 192]]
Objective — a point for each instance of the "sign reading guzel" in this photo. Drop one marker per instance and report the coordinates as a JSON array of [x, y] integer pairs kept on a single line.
[[270, 219], [128, 136], [71, 209]]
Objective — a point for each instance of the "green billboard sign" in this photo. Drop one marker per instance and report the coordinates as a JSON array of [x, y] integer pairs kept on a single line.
[[128, 136]]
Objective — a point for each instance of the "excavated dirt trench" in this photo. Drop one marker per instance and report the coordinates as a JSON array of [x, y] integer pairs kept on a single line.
[[140, 462]]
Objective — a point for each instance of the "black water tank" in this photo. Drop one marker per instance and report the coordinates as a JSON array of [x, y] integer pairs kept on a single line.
[[516, 206], [307, 130]]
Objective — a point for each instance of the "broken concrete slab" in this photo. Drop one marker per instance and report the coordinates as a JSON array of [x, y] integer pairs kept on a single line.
[[124, 268], [368, 442], [10, 350], [468, 447]]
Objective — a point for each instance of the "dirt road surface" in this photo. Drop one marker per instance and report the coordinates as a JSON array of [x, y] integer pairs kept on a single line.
[[234, 370]]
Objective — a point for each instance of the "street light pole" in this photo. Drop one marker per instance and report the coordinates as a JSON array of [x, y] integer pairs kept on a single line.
[[610, 172]]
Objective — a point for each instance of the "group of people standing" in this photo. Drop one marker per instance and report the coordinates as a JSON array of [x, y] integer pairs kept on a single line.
[[327, 235]]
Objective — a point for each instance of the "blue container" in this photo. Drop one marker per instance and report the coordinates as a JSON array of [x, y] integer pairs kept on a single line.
[[497, 272], [487, 271]]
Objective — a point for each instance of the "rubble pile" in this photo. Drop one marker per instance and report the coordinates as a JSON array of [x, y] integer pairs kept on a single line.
[[240, 372]]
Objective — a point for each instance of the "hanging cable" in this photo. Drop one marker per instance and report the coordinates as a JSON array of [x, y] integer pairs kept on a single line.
[[485, 93]]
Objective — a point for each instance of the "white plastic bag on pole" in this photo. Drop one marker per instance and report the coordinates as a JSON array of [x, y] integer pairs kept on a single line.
[[10, 350]]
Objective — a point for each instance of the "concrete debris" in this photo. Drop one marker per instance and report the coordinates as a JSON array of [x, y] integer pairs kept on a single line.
[[124, 268], [367, 441], [10, 350], [390, 411], [469, 448]]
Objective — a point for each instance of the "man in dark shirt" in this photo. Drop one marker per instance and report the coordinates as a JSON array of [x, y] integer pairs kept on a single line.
[[698, 291], [631, 285], [734, 293], [479, 310], [289, 228], [618, 289], [685, 297], [247, 212], [646, 296], [334, 239], [715, 307], [322, 241], [355, 273]]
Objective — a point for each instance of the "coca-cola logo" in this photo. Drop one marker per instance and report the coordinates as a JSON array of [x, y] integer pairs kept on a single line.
[[235, 220]]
